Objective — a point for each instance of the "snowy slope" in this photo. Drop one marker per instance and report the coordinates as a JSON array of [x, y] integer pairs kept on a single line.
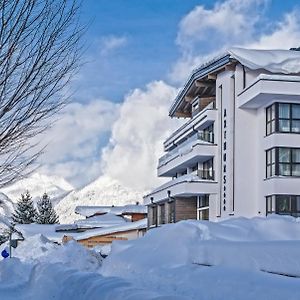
[[102, 191], [37, 184]]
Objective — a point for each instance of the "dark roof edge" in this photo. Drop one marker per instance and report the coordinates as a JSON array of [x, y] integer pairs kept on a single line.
[[199, 73]]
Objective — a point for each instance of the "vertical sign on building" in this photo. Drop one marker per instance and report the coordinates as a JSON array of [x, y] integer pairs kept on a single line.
[[224, 159]]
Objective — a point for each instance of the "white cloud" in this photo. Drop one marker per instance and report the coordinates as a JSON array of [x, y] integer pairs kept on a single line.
[[74, 140], [286, 34], [232, 20], [110, 43], [203, 33], [138, 135]]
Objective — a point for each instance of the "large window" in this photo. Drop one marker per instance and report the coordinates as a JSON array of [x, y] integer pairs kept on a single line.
[[283, 117], [283, 205], [283, 162]]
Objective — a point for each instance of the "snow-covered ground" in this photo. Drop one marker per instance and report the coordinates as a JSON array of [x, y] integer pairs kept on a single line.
[[234, 259]]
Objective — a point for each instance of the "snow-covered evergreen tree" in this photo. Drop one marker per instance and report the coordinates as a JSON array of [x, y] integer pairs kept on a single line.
[[4, 237], [24, 212], [45, 212]]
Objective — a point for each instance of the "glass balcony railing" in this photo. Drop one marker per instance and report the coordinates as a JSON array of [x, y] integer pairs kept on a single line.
[[186, 146]]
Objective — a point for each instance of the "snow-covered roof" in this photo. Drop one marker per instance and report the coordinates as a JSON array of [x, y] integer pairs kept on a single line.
[[274, 61], [141, 224], [66, 227], [106, 220], [89, 211]]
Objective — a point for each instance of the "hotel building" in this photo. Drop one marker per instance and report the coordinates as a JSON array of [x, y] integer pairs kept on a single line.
[[238, 153]]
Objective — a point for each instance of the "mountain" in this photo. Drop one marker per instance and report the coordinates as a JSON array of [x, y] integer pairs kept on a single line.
[[102, 191], [37, 184]]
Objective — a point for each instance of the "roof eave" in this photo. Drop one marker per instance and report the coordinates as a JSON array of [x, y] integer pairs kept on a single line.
[[199, 74]]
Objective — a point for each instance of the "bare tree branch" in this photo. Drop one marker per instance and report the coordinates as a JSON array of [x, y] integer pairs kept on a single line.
[[39, 53]]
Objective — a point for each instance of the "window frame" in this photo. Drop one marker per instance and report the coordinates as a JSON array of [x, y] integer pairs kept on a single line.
[[273, 121], [274, 160], [272, 205]]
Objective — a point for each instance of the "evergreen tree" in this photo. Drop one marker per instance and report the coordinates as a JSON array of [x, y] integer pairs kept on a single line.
[[45, 212], [3, 237], [24, 212]]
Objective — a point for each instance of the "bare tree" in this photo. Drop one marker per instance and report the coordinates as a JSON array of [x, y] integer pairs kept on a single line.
[[39, 52]]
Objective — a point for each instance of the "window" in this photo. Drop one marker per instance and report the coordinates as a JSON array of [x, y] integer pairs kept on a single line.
[[171, 217], [154, 215], [195, 107], [207, 134], [283, 162], [208, 170], [283, 205], [271, 162], [283, 117], [203, 207], [162, 213]]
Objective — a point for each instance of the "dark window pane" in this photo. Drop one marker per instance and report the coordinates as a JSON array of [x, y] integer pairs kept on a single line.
[[284, 125], [273, 155], [284, 155], [273, 170], [297, 203], [285, 169], [296, 111], [295, 125], [283, 204], [269, 157], [284, 111], [296, 155], [268, 114], [268, 128], [296, 170]]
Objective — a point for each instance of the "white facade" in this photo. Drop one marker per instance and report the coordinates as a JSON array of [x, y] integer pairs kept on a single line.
[[217, 161]]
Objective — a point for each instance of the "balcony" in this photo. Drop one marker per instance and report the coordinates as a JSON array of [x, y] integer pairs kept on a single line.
[[200, 144], [197, 183], [201, 137], [201, 120], [266, 88]]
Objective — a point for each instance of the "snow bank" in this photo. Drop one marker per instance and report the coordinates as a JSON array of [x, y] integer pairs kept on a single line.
[[47, 230], [43, 270], [55, 281], [187, 260], [38, 248], [269, 244], [274, 61]]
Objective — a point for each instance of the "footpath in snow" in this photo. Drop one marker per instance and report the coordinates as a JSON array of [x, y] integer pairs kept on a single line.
[[234, 259]]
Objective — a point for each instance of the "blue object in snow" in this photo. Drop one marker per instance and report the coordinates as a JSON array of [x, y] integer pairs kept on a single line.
[[4, 253]]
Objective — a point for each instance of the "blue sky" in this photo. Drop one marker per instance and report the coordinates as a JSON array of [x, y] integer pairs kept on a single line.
[[150, 28], [139, 52]]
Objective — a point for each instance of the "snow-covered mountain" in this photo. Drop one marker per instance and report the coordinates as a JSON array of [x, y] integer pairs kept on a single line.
[[102, 191], [37, 184]]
